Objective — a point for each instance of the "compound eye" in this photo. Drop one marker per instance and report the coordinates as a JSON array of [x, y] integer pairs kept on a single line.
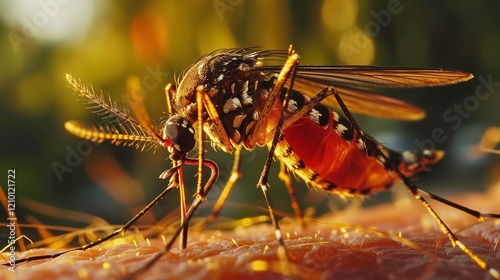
[[181, 134]]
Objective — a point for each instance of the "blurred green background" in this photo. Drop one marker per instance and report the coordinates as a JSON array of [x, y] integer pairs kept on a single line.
[[104, 42]]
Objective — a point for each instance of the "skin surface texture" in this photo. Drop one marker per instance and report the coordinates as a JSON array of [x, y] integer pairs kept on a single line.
[[388, 241]]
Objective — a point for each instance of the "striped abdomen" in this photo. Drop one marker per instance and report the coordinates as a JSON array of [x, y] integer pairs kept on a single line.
[[325, 151]]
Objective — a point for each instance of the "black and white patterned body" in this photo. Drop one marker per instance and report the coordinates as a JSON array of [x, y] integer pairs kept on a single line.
[[236, 89], [321, 148]]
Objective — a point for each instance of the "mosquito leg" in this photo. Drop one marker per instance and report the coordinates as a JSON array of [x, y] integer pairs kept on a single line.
[[262, 184], [121, 230], [285, 123], [273, 97], [308, 106], [235, 175], [291, 119], [211, 110], [190, 213], [284, 176], [200, 192], [204, 102], [177, 181], [169, 92], [273, 217], [182, 198], [201, 149], [281, 251], [479, 215], [414, 191]]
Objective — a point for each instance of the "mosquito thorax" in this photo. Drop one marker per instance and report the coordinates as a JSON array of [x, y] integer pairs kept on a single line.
[[232, 80], [215, 72], [181, 133]]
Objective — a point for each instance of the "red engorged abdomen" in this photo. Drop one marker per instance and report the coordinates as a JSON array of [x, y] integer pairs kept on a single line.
[[333, 158]]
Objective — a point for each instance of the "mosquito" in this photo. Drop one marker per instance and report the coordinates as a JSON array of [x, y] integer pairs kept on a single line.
[[240, 100]]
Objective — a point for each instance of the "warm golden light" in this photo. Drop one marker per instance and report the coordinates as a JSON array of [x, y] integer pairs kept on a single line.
[[339, 14], [355, 47]]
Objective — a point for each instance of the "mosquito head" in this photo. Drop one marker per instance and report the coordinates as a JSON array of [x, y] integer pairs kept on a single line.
[[180, 133]]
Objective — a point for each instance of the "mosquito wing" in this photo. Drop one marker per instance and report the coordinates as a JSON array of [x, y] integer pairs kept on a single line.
[[353, 83]]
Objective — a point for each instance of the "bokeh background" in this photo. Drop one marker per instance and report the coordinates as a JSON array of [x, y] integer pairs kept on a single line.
[[104, 42]]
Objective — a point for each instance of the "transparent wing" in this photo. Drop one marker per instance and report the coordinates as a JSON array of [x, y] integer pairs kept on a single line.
[[387, 77], [353, 84]]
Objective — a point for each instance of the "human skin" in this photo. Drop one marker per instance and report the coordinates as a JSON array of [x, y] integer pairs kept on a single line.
[[389, 241]]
